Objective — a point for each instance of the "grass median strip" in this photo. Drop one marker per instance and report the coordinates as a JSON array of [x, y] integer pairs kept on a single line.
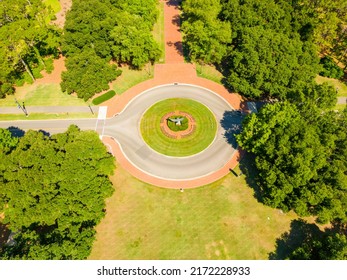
[[46, 116]]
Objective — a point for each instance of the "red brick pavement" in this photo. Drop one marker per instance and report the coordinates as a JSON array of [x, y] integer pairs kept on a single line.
[[173, 37]]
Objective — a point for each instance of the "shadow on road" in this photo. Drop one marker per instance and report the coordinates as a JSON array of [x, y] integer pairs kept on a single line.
[[231, 122], [16, 131]]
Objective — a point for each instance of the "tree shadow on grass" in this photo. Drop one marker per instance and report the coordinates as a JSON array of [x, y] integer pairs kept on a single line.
[[300, 232], [250, 171]]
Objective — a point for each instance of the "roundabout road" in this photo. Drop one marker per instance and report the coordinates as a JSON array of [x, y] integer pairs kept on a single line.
[[124, 128]]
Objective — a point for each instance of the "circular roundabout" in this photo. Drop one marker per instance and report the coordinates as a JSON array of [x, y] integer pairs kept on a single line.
[[178, 127], [140, 122]]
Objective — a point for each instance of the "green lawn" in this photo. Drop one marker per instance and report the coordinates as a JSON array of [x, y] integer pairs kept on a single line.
[[209, 72], [55, 5], [131, 77], [222, 220], [342, 87], [200, 139], [158, 31], [340, 107], [41, 95], [45, 116]]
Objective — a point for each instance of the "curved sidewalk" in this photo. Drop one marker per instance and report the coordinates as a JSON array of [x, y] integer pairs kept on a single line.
[[177, 184]]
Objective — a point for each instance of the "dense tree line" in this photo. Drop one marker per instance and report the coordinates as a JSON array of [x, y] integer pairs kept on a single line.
[[97, 32], [205, 35], [53, 192], [328, 247], [325, 22], [301, 158], [301, 161], [26, 39], [265, 49]]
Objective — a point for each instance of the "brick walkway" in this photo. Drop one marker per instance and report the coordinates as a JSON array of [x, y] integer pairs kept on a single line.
[[173, 71]]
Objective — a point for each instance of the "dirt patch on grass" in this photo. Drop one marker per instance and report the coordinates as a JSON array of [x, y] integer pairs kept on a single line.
[[61, 15]]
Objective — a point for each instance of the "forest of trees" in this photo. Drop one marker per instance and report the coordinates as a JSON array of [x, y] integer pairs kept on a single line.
[[98, 35], [54, 187], [53, 192], [27, 39], [98, 32], [265, 49], [272, 50]]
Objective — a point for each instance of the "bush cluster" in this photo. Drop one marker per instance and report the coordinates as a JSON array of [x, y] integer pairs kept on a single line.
[[330, 68]]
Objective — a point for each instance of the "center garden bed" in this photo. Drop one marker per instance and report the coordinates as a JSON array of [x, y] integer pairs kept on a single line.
[[196, 131]]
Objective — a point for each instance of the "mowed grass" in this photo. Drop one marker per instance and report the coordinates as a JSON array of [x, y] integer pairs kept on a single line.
[[41, 95], [340, 107], [222, 220], [337, 84], [54, 4], [209, 72], [46, 116], [132, 77], [199, 140], [158, 31]]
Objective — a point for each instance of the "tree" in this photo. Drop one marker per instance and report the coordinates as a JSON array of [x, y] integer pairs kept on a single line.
[[321, 20], [313, 96], [87, 74], [145, 9], [26, 37], [54, 189], [99, 32], [206, 36], [299, 159], [132, 41], [268, 55], [307, 241], [7, 142]]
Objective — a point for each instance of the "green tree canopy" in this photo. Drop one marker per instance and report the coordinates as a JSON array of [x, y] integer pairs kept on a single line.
[[107, 30], [26, 37], [206, 36], [132, 41], [54, 189], [299, 159], [87, 74]]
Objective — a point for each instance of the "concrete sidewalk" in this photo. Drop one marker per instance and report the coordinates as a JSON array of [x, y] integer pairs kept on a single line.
[[50, 109]]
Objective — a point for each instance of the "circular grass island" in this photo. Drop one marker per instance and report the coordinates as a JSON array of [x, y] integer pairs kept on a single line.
[[195, 132]]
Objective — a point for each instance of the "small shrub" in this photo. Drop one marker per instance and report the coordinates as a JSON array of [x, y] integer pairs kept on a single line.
[[330, 68], [37, 72], [102, 98], [49, 65], [6, 89]]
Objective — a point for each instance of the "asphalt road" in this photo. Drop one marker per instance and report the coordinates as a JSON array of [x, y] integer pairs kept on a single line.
[[124, 128]]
